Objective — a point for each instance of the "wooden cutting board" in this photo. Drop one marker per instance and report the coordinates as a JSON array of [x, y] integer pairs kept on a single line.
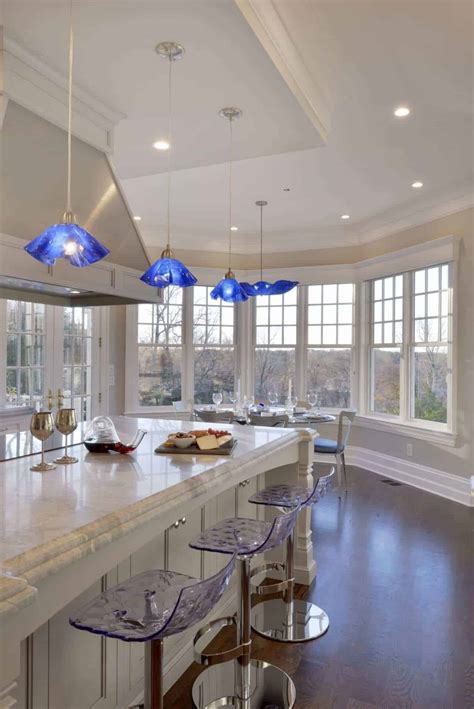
[[194, 450]]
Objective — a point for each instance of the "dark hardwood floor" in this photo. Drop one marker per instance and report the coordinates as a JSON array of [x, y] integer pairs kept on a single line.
[[395, 575]]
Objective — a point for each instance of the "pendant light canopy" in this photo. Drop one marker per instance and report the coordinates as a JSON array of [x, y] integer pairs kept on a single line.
[[169, 271], [67, 239], [262, 287], [229, 289]]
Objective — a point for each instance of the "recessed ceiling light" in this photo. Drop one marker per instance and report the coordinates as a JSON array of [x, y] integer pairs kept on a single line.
[[75, 292], [234, 228], [161, 145], [345, 216], [137, 219], [401, 112], [417, 185]]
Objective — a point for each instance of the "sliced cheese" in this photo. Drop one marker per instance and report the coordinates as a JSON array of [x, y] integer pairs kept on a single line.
[[207, 443], [224, 440]]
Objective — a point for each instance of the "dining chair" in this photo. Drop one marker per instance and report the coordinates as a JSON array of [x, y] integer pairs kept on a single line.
[[328, 446], [214, 416], [279, 420]]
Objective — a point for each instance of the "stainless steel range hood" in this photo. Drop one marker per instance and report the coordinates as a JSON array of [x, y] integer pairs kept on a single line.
[[32, 194]]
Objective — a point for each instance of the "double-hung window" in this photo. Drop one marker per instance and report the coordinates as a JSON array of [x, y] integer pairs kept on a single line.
[[329, 343], [410, 346], [429, 356], [275, 345], [213, 339], [160, 340], [387, 296]]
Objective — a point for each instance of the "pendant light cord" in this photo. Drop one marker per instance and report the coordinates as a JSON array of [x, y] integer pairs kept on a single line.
[[69, 119], [169, 154], [230, 194], [261, 242]]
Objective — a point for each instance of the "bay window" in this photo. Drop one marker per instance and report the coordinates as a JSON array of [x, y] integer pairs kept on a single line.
[[276, 319], [213, 340], [329, 343]]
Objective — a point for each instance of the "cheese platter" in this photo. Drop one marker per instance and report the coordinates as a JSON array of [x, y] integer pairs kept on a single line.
[[199, 442]]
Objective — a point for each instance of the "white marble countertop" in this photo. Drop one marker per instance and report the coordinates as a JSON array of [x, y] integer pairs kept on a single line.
[[52, 519]]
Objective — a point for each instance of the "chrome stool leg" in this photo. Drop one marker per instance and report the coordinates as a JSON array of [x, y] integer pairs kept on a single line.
[[287, 619], [241, 683]]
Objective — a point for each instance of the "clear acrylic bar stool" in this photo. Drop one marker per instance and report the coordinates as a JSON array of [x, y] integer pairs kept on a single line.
[[287, 619], [232, 678], [148, 608]]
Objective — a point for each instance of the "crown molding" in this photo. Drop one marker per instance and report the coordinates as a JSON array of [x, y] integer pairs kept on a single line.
[[391, 222], [265, 21], [36, 86]]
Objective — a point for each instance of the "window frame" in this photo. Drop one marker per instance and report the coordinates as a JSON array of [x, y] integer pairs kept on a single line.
[[408, 345], [298, 347], [215, 346], [352, 347]]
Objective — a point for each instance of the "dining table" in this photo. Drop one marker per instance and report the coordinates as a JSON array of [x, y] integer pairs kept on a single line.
[[297, 418]]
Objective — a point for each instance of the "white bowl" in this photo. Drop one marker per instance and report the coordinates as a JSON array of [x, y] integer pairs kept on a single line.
[[184, 442]]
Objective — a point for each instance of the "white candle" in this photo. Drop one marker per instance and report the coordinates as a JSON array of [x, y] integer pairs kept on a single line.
[[289, 390]]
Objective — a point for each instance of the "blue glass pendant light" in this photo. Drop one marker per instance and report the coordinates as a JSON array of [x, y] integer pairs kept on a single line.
[[67, 239], [168, 271], [262, 287], [229, 289]]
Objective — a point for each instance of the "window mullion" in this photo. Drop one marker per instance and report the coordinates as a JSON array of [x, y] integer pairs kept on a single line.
[[187, 345], [301, 353], [405, 372]]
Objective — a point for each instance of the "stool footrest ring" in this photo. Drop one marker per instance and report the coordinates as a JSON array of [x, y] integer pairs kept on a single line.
[[216, 658], [268, 588]]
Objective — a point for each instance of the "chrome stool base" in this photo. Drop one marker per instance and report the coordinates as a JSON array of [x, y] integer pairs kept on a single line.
[[294, 622], [266, 686]]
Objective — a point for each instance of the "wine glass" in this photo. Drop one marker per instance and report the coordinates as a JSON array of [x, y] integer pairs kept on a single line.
[[312, 400], [217, 398], [272, 398], [66, 423], [42, 427], [233, 398]]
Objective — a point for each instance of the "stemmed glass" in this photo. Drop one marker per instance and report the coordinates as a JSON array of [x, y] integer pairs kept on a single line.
[[233, 398], [217, 398], [42, 427], [272, 398], [66, 423], [312, 400]]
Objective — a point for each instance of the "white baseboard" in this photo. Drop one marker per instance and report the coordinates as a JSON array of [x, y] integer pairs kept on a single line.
[[452, 487]]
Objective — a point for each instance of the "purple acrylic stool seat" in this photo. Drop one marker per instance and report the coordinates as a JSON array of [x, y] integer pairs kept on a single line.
[[149, 607], [288, 619], [232, 678]]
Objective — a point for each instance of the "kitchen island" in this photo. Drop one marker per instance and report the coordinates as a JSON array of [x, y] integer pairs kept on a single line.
[[70, 533]]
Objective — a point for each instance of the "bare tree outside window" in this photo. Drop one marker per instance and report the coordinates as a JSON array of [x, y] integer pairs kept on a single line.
[[160, 350], [213, 338], [429, 357], [329, 355], [276, 318]]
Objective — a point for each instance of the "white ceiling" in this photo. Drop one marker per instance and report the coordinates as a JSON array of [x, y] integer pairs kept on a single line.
[[368, 57]]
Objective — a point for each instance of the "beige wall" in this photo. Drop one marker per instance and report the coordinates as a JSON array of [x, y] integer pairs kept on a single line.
[[458, 460]]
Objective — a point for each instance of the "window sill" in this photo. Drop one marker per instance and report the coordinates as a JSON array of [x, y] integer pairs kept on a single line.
[[431, 435]]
